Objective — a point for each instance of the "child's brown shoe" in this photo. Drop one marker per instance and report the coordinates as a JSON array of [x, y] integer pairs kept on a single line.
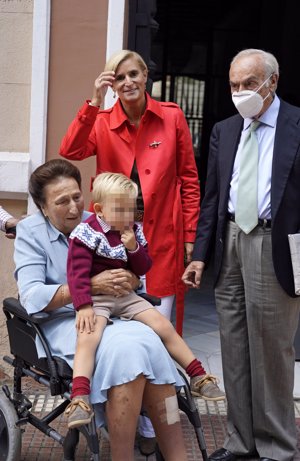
[[206, 387], [79, 411]]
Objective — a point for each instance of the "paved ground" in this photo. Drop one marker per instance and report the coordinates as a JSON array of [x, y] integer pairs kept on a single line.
[[37, 447]]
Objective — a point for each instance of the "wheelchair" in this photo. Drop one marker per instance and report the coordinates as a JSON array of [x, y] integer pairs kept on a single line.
[[56, 375]]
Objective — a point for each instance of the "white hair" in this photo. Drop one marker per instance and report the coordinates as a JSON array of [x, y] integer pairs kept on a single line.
[[268, 59]]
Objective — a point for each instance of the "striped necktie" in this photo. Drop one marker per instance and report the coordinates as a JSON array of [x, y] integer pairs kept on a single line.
[[246, 212]]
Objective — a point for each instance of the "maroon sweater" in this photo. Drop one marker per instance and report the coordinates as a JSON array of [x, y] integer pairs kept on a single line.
[[91, 251]]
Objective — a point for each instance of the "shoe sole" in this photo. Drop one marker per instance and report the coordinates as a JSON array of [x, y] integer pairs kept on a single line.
[[148, 452], [212, 399], [144, 453], [80, 422]]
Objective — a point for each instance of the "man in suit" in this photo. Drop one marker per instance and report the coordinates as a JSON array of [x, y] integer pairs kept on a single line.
[[254, 288]]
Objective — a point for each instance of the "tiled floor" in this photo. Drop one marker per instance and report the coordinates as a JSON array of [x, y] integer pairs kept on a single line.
[[202, 334]]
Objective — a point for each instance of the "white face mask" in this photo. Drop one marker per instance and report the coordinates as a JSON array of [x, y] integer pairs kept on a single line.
[[249, 103]]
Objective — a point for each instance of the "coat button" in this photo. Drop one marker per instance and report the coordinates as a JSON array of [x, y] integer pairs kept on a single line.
[[147, 171], [151, 221], [153, 195]]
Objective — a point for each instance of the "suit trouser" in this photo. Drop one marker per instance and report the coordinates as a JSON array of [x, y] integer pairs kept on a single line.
[[258, 323]]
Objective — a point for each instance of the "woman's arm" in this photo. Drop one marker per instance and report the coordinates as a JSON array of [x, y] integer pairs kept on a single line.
[[80, 140], [188, 176], [116, 282], [61, 297], [39, 275], [7, 222]]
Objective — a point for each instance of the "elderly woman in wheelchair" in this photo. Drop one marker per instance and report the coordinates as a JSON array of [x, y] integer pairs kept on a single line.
[[132, 367]]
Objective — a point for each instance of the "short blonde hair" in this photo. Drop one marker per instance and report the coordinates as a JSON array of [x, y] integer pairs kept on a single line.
[[113, 183], [117, 58]]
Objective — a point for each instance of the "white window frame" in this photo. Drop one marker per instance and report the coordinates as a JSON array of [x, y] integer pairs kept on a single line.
[[115, 34]]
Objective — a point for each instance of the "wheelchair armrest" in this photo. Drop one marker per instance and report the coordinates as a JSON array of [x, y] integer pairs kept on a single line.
[[42, 317], [13, 306], [151, 299]]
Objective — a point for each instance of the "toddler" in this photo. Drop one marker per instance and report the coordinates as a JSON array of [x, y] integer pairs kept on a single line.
[[110, 239]]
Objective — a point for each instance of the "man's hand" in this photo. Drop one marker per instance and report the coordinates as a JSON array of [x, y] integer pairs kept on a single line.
[[128, 239], [116, 282], [193, 274], [86, 319]]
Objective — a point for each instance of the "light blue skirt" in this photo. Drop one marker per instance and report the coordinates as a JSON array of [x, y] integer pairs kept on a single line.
[[127, 349]]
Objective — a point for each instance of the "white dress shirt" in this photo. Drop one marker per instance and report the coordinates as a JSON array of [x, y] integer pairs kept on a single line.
[[265, 135]]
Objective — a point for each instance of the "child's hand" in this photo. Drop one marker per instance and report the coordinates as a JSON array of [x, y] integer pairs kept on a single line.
[[128, 239], [85, 319]]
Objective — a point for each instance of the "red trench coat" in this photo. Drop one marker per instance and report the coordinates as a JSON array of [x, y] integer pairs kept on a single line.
[[168, 177]]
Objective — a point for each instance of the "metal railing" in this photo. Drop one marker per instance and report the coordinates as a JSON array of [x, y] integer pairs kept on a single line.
[[188, 93]]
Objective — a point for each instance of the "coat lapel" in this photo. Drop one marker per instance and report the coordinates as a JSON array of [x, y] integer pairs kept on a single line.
[[287, 140]]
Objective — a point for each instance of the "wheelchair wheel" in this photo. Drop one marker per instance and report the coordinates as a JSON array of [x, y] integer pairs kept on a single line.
[[10, 434]]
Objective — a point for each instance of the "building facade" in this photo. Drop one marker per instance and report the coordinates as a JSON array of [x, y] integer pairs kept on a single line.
[[54, 50]]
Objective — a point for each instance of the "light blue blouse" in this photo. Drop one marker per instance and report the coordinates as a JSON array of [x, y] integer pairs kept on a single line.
[[127, 349]]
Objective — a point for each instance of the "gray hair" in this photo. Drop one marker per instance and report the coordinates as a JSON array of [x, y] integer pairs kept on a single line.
[[269, 60]]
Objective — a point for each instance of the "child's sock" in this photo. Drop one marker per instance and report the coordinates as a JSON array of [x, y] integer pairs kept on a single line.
[[81, 386], [195, 368]]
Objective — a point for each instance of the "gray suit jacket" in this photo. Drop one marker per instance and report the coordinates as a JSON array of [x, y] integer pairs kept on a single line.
[[285, 191]]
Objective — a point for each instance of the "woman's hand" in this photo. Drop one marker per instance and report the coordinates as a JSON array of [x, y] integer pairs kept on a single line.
[[85, 319], [102, 82], [116, 282], [10, 227]]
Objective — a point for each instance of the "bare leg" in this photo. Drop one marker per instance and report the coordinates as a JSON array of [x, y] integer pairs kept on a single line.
[[123, 408], [161, 404], [86, 348], [175, 345]]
